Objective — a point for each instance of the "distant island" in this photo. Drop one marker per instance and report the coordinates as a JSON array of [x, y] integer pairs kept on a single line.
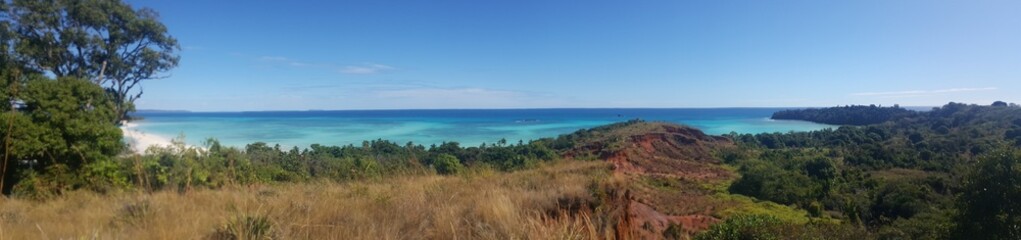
[[846, 115]]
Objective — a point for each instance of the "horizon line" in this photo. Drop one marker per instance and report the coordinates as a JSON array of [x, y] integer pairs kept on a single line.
[[536, 108]]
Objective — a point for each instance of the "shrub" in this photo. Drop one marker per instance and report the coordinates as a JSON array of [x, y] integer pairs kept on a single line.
[[447, 164], [674, 231], [245, 226], [987, 206], [743, 227], [135, 213]]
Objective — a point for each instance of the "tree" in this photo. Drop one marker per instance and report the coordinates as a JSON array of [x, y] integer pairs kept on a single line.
[[63, 123], [999, 104], [767, 181], [104, 41], [988, 207], [6, 39]]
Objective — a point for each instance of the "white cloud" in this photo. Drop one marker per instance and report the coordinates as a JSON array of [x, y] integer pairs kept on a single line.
[[273, 59], [444, 93], [370, 68], [361, 69], [467, 97], [283, 60], [914, 93]]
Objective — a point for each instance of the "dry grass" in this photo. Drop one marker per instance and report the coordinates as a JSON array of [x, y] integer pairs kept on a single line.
[[544, 203]]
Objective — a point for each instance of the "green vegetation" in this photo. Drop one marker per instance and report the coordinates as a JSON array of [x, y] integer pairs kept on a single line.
[[62, 131], [447, 164], [743, 227], [71, 69], [766, 227], [846, 115], [749, 206], [988, 206], [245, 226], [106, 42], [71, 72], [182, 168], [899, 178]]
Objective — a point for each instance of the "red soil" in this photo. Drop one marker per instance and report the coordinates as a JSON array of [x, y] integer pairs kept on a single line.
[[662, 151]]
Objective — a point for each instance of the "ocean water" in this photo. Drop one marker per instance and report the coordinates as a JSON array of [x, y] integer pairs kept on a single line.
[[469, 127]]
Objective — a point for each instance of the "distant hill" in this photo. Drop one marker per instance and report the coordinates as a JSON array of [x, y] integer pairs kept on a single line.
[[846, 115]]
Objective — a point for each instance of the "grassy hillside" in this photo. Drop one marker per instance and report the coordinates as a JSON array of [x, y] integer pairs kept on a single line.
[[636, 179], [545, 202], [927, 176]]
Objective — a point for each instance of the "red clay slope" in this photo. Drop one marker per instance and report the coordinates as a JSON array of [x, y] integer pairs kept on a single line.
[[665, 169]]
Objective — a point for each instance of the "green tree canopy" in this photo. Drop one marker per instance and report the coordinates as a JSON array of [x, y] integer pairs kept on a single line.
[[64, 122], [104, 41], [988, 207], [447, 164]]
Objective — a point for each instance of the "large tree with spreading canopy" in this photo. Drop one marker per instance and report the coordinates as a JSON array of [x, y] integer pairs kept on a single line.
[[105, 41]]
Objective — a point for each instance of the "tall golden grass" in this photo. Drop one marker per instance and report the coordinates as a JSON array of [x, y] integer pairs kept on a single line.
[[549, 202]]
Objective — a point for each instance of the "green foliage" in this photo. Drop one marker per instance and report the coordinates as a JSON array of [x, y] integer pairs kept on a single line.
[[937, 140], [62, 124], [900, 199], [771, 182], [756, 226], [180, 167], [748, 206], [33, 186], [897, 178], [927, 225], [244, 226], [988, 207], [447, 164], [846, 115], [73, 117], [743, 227], [104, 175], [105, 41]]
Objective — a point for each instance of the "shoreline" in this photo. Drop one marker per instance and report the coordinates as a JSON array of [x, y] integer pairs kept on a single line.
[[138, 141]]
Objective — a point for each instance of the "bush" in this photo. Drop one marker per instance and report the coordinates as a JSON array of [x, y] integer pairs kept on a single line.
[[135, 213], [743, 227], [245, 227], [987, 207], [674, 231], [447, 164]]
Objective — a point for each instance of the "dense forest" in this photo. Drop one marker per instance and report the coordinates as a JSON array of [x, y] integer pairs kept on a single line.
[[846, 115], [944, 173]]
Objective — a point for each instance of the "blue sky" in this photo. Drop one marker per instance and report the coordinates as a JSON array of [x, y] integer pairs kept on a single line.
[[297, 55]]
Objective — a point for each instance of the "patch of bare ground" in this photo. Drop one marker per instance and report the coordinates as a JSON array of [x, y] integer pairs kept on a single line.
[[665, 170]]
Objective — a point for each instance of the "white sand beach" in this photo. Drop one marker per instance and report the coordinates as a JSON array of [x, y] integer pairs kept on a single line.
[[139, 141]]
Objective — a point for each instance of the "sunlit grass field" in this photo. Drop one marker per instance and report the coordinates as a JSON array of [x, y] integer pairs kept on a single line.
[[480, 204]]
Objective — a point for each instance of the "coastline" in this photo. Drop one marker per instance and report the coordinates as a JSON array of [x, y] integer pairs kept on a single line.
[[139, 141]]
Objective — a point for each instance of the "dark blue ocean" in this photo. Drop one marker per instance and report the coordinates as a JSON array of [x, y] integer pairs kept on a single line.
[[469, 127]]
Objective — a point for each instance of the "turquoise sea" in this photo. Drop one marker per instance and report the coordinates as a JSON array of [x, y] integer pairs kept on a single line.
[[469, 127]]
